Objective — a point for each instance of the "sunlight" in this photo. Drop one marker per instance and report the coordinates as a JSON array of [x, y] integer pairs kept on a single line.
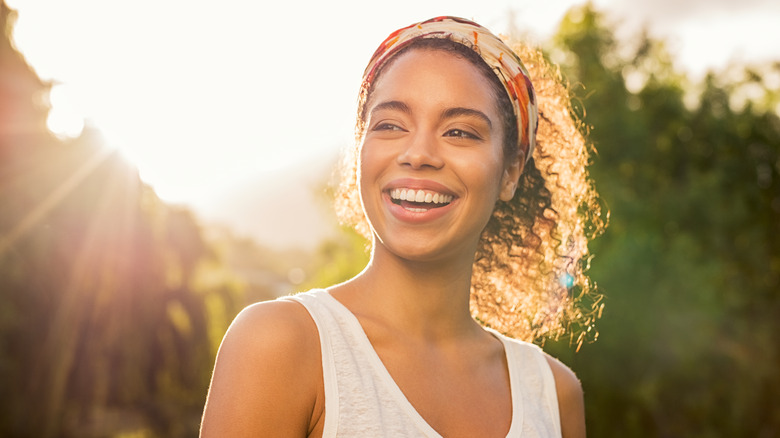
[[201, 101], [99, 261], [51, 201], [65, 118]]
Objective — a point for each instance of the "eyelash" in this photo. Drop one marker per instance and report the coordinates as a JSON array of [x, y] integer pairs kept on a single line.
[[387, 127], [460, 133], [457, 133]]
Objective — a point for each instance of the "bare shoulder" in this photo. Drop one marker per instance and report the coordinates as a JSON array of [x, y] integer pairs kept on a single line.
[[271, 325], [570, 399], [567, 385], [267, 374]]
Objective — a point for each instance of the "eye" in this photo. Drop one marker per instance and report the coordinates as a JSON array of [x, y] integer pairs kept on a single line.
[[386, 126], [460, 133]]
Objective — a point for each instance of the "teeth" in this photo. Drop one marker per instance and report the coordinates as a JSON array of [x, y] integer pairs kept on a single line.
[[412, 195]]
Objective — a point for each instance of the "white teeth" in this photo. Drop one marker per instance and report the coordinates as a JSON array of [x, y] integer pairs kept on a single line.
[[412, 195]]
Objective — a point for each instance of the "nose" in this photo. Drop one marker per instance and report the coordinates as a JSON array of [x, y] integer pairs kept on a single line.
[[422, 151]]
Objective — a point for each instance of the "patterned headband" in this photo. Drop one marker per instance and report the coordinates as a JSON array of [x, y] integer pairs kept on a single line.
[[497, 55]]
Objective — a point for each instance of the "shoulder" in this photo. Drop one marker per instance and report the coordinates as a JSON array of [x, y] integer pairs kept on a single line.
[[570, 398], [567, 385], [271, 325], [568, 390], [268, 359], [280, 329]]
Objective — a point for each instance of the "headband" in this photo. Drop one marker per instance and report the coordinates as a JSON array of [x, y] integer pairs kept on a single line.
[[496, 54]]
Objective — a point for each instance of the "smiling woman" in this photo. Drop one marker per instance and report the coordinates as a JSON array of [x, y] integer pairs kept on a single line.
[[474, 222]]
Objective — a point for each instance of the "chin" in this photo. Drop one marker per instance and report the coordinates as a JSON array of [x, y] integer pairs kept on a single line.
[[425, 251]]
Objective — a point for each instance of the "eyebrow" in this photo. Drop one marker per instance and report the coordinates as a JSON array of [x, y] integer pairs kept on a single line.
[[468, 112], [396, 105], [447, 114]]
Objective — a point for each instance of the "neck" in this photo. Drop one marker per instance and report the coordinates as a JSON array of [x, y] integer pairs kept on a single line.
[[426, 299]]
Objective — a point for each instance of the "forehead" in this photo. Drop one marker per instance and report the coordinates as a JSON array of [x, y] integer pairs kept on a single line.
[[432, 74]]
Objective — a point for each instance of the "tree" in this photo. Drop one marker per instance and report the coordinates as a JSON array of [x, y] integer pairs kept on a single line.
[[689, 265]]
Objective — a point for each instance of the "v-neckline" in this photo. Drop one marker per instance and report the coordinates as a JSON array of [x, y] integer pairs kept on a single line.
[[400, 397]]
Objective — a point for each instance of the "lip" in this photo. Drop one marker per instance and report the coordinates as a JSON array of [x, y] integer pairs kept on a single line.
[[417, 217], [419, 184]]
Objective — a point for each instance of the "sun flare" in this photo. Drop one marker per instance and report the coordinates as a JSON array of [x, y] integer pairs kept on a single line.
[[65, 119]]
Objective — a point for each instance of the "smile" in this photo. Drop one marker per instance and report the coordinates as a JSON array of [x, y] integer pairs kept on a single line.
[[419, 200]]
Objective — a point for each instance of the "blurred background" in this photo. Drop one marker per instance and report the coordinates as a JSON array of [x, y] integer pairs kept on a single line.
[[164, 164]]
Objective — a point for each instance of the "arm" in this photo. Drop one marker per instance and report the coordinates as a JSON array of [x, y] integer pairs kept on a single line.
[[267, 376], [570, 399]]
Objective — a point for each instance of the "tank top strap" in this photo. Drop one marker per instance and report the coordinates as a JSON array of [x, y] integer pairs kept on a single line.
[[325, 324], [361, 397], [534, 389]]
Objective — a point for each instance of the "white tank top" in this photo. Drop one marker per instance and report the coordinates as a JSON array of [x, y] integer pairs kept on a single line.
[[363, 400]]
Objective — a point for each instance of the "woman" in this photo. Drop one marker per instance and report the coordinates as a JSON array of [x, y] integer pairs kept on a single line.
[[474, 224]]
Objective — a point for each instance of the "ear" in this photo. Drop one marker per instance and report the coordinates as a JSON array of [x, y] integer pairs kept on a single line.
[[509, 180]]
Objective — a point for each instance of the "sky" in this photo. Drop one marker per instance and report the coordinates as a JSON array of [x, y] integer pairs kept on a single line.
[[204, 97]]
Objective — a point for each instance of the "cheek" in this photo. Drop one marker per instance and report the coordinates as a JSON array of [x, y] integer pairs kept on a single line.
[[490, 174], [369, 166], [363, 168], [483, 172], [371, 161]]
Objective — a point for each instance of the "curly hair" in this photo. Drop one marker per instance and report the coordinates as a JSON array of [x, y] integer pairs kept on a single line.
[[528, 277]]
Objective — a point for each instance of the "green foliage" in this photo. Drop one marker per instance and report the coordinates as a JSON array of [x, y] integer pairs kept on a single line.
[[689, 265], [337, 260]]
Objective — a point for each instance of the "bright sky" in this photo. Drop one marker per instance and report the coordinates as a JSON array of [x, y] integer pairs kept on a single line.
[[204, 95]]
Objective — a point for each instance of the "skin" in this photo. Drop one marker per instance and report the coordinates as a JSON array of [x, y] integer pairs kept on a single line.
[[412, 299]]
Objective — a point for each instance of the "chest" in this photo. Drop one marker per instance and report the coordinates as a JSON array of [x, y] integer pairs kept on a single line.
[[374, 388], [456, 396]]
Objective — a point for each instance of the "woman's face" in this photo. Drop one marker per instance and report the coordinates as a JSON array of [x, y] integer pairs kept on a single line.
[[431, 162]]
